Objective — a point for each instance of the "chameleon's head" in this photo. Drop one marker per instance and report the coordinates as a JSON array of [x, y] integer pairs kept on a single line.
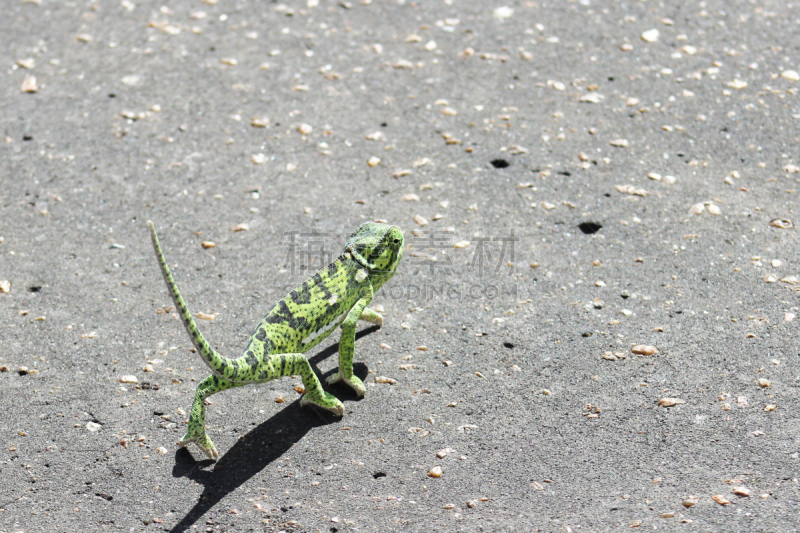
[[378, 246]]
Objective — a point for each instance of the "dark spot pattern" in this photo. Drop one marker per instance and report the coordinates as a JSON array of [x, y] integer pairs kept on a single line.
[[301, 295]]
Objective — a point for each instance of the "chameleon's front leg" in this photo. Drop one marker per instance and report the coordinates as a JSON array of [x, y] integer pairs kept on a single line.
[[347, 345], [196, 431], [289, 364], [368, 315]]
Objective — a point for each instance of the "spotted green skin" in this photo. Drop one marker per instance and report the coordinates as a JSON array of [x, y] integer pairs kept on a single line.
[[337, 295]]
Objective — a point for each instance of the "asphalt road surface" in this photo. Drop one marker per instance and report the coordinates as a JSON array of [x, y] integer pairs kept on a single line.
[[594, 327]]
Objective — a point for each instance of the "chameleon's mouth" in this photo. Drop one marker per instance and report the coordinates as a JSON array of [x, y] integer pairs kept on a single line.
[[359, 258]]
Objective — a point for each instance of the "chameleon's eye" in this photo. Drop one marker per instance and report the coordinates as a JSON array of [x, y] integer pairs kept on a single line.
[[396, 241]]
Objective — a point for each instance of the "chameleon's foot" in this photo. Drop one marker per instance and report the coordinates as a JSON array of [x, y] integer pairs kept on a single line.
[[368, 315], [203, 442], [353, 382], [328, 401]]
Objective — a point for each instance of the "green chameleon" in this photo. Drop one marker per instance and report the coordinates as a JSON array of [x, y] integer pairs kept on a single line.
[[336, 295]]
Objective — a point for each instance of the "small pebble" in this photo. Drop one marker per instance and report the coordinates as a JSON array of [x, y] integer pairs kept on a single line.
[[787, 74], [697, 209], [643, 349], [690, 501], [29, 85], [630, 189], [441, 454], [435, 472], [720, 499], [781, 223], [650, 36], [741, 491], [503, 13], [592, 98], [670, 402]]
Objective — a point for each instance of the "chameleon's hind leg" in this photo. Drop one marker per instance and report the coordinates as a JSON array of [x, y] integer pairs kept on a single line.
[[347, 346], [196, 431], [368, 315], [288, 364]]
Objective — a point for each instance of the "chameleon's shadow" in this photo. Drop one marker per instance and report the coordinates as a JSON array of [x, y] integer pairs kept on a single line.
[[256, 450]]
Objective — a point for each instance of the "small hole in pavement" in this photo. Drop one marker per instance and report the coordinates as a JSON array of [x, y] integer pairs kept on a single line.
[[589, 227], [378, 475], [508, 345], [500, 163]]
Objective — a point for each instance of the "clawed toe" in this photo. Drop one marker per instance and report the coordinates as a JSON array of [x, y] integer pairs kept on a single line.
[[329, 402], [353, 382], [209, 449]]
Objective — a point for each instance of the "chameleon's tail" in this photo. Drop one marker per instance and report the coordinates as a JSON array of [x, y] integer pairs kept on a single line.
[[222, 366]]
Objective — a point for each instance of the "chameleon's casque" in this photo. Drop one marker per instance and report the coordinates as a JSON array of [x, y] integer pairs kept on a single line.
[[337, 295]]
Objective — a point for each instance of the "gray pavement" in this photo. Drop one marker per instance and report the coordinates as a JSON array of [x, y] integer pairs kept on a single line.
[[574, 179]]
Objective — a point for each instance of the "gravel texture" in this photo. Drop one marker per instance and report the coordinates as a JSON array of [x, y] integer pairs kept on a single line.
[[594, 326]]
